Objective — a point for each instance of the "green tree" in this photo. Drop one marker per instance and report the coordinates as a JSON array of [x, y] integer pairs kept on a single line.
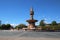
[[42, 23], [8, 26], [0, 27], [3, 26], [20, 26], [54, 23]]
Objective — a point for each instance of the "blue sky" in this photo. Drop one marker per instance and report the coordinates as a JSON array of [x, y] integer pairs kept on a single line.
[[17, 11]]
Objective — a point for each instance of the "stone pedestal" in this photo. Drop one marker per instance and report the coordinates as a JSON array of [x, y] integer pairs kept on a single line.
[[31, 24]]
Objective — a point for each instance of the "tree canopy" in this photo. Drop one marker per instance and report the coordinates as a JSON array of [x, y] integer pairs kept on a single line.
[[54, 23], [42, 23], [20, 26], [5, 26]]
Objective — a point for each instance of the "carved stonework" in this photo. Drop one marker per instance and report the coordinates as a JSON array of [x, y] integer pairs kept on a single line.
[[31, 21]]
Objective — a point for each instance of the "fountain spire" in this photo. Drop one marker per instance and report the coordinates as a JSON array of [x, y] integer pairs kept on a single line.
[[31, 13]]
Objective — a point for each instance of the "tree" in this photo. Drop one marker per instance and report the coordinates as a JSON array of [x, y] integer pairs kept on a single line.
[[42, 23], [54, 23], [3, 26], [8, 26], [20, 26], [0, 27]]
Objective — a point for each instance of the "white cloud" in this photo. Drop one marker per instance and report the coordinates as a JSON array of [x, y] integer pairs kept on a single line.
[[14, 25], [45, 19], [46, 22]]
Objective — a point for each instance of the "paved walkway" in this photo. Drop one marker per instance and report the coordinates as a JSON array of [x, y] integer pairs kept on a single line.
[[25, 35]]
